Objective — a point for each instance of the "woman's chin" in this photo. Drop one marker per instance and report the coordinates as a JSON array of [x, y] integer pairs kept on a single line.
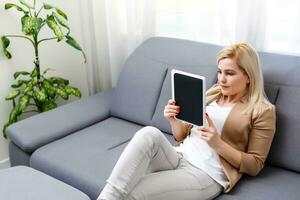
[[225, 93]]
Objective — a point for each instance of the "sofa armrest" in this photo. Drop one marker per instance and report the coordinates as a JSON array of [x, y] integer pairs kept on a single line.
[[36, 131]]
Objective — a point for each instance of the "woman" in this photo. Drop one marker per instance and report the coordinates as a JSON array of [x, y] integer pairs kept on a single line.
[[211, 158]]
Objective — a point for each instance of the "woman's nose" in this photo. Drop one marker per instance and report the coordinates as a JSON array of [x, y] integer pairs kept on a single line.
[[222, 78]]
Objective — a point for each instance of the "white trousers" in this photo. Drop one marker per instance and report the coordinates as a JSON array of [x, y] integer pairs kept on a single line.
[[150, 169]]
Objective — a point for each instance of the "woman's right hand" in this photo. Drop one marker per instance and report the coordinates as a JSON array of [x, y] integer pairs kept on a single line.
[[171, 110]]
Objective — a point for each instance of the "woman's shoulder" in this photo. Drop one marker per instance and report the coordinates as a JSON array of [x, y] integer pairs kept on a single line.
[[268, 106], [266, 110]]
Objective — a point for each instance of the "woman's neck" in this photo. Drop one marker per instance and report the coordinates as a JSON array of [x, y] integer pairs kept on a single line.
[[230, 100]]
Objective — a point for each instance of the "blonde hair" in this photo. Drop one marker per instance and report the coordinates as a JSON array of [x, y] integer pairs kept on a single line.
[[248, 61]]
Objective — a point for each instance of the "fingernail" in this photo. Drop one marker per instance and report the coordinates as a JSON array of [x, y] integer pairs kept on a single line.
[[206, 114]]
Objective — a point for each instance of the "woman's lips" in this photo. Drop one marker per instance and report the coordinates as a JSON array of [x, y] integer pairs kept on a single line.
[[224, 87]]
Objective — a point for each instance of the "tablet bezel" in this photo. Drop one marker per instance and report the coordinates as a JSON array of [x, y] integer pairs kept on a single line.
[[175, 71]]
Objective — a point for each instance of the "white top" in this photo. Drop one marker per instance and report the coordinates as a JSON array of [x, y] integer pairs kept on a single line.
[[199, 153]]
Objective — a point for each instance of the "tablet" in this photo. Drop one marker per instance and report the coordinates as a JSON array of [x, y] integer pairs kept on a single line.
[[188, 91]]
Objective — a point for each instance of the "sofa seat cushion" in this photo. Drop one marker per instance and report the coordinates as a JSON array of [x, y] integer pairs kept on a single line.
[[28, 184], [82, 156], [272, 183], [86, 158]]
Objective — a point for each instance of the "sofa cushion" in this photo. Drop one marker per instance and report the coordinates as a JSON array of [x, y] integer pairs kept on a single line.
[[141, 79], [158, 119], [28, 184], [285, 148], [272, 183], [138, 88], [85, 158], [280, 69], [272, 92], [36, 131], [178, 52]]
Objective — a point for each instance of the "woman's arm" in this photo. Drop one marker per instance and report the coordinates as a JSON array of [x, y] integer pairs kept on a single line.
[[259, 144], [179, 129], [260, 140], [210, 135]]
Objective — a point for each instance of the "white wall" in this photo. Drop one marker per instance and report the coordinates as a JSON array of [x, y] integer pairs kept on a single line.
[[67, 61]]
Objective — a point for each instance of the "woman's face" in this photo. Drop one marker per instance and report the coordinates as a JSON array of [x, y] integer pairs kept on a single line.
[[232, 80]]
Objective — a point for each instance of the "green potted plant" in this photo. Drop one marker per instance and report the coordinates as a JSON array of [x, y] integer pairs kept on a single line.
[[33, 91]]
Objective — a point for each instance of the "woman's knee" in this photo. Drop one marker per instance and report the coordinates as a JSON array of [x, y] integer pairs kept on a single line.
[[150, 134], [150, 131]]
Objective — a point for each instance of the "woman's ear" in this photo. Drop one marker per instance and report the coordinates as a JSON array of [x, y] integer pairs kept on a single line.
[[248, 80]]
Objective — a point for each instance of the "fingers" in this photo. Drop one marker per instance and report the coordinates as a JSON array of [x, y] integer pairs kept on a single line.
[[205, 136], [205, 129], [209, 121], [205, 133], [171, 110], [171, 102]]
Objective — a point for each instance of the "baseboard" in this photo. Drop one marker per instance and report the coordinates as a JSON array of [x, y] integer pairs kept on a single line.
[[4, 163]]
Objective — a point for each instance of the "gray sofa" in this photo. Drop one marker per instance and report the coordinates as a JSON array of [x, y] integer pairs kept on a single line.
[[80, 142]]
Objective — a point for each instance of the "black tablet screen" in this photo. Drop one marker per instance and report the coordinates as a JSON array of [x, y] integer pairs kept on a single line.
[[188, 93]]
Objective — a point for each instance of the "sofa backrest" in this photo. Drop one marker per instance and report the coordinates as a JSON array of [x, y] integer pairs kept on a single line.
[[144, 88], [283, 71], [139, 86]]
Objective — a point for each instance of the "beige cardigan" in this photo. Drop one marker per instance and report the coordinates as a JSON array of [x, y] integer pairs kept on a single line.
[[252, 134]]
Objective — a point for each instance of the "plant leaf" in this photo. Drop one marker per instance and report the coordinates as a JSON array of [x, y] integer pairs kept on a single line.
[[61, 13], [17, 74], [18, 84], [51, 92], [56, 29], [7, 54], [59, 81], [34, 73], [12, 95], [5, 43], [23, 102], [31, 25], [48, 105], [60, 20], [11, 5], [73, 91], [72, 42], [47, 6], [14, 114], [4, 129], [26, 4], [48, 69], [40, 96], [29, 87], [61, 92]]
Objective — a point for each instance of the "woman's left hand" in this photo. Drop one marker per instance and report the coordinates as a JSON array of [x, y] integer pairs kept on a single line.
[[209, 134]]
